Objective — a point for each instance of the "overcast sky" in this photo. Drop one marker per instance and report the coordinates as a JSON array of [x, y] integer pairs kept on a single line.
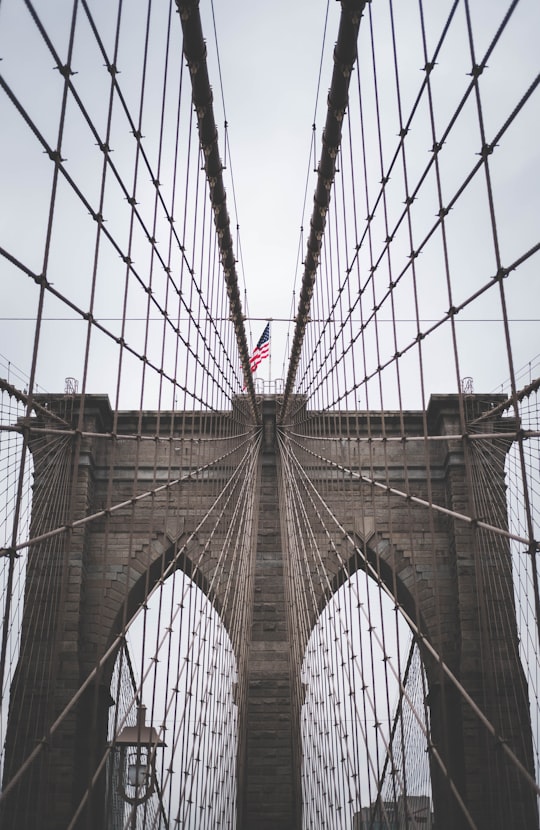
[[270, 58]]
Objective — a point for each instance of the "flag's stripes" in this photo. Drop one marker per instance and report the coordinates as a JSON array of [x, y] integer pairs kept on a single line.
[[262, 349]]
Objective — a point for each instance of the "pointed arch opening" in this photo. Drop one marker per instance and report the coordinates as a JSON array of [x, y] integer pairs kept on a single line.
[[365, 722], [178, 662]]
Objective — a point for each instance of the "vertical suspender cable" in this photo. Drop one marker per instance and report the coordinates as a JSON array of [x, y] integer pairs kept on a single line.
[[195, 54], [338, 99]]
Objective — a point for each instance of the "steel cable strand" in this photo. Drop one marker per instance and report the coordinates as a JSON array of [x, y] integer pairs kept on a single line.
[[346, 638], [300, 530], [434, 752], [46, 285], [325, 733], [344, 59], [155, 438], [33, 640], [369, 568], [493, 281], [37, 332], [167, 778], [298, 623], [478, 166], [433, 546], [447, 671], [502, 617], [417, 500], [143, 658], [211, 590], [135, 698], [192, 765], [109, 333], [241, 514], [237, 591], [127, 503], [522, 575], [195, 54], [154, 176], [110, 651], [324, 581], [170, 630]]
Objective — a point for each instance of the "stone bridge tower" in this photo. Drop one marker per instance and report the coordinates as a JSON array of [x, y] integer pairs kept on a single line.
[[437, 588]]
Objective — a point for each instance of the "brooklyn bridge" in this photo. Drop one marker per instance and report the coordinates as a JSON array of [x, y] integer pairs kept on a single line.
[[269, 425]]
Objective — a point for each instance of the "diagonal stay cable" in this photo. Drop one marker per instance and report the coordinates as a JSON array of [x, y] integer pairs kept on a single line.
[[30, 402], [424, 641], [227, 493], [314, 495], [120, 505], [120, 638], [532, 543]]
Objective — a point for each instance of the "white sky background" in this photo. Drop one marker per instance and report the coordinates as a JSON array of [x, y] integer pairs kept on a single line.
[[270, 56]]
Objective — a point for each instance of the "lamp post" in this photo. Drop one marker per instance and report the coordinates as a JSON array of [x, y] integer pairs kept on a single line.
[[137, 746]]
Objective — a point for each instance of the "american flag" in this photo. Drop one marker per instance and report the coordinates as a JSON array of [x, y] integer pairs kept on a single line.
[[262, 349]]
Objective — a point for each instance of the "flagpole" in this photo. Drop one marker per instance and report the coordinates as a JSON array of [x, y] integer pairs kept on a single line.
[[270, 363]]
